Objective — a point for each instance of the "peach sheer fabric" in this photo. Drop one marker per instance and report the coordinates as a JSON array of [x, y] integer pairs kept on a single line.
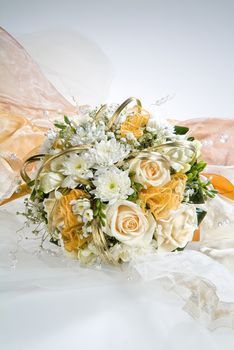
[[217, 137], [29, 103]]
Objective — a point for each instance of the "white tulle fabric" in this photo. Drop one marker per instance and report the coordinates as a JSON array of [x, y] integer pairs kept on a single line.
[[204, 283]]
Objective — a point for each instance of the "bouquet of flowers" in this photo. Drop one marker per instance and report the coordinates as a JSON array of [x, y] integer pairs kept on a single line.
[[116, 183]]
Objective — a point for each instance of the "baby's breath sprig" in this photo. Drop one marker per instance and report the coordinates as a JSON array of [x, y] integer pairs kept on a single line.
[[34, 212], [66, 130], [147, 140]]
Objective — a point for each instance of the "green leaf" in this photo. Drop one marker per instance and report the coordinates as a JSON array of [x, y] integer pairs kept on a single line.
[[197, 197], [103, 223], [201, 166], [200, 215], [98, 203], [133, 197], [181, 130], [31, 183], [54, 241], [132, 173], [137, 186], [179, 249], [66, 119], [60, 126], [95, 213], [33, 195], [103, 215]]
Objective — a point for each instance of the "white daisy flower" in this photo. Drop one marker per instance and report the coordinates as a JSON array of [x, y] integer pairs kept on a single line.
[[88, 215], [107, 153], [86, 230], [76, 165], [80, 205], [112, 184]]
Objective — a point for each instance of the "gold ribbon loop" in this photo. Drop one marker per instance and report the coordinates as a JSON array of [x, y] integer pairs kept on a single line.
[[121, 108]]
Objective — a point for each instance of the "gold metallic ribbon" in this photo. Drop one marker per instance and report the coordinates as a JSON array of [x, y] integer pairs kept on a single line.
[[121, 108]]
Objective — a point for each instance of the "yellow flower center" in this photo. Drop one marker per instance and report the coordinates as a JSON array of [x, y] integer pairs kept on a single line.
[[112, 186]]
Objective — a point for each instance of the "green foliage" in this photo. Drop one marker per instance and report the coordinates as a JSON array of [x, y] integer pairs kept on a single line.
[[201, 190], [147, 140], [99, 211], [55, 241], [136, 186], [60, 126], [200, 215], [181, 130], [34, 212], [66, 129]]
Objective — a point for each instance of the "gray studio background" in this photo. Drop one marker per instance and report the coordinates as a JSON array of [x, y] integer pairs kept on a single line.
[[184, 49]]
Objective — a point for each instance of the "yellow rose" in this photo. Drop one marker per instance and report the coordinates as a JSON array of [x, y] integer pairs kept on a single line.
[[161, 200], [62, 217], [134, 124]]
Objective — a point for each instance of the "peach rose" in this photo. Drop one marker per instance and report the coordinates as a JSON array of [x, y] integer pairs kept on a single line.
[[127, 222], [153, 170], [61, 216], [134, 124], [161, 200]]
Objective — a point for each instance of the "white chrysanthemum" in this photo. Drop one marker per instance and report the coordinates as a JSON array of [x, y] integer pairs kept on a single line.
[[112, 184], [76, 165], [107, 153], [88, 134]]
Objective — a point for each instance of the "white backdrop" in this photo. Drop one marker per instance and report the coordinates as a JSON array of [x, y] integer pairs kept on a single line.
[[148, 48]]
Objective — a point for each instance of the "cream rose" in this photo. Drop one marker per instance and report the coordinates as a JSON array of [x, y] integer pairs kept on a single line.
[[129, 224], [177, 229], [150, 170]]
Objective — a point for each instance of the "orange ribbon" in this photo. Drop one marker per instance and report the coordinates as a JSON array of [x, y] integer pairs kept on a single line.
[[22, 191], [222, 185]]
